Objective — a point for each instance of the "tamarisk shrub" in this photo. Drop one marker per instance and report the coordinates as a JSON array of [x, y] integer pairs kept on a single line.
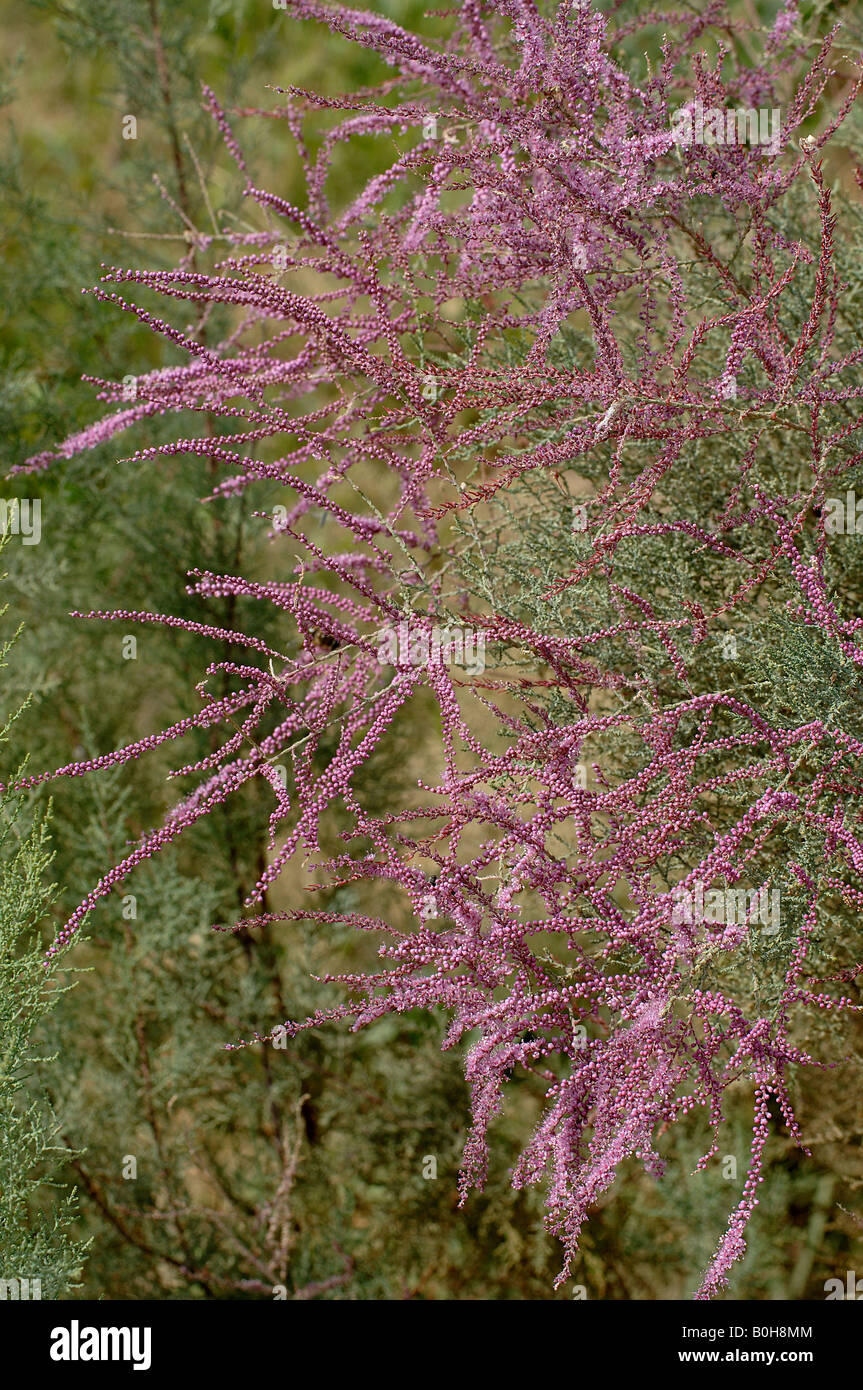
[[563, 379]]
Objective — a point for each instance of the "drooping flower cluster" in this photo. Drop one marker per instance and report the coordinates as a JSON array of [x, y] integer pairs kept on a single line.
[[548, 304]]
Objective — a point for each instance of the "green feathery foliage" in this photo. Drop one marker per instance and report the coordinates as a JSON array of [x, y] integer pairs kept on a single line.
[[40, 1255]]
